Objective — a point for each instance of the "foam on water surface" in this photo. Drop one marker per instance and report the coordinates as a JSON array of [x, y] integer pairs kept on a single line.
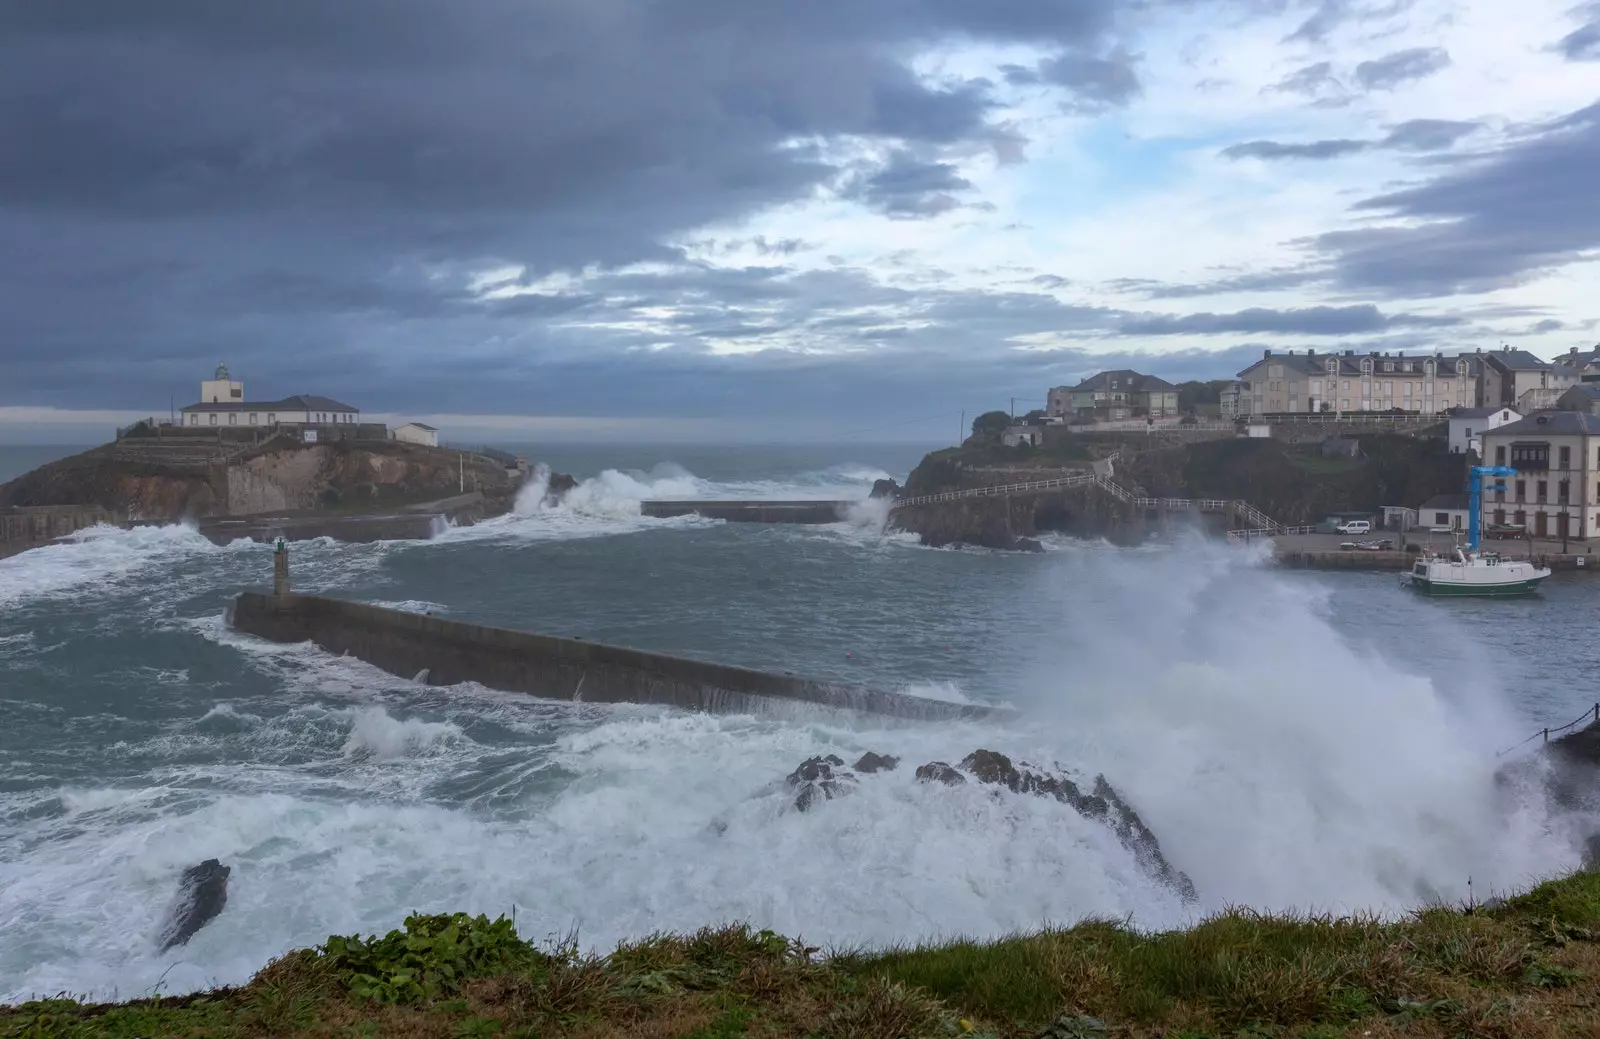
[[1281, 761]]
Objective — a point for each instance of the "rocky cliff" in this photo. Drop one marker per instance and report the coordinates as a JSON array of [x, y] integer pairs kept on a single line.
[[1296, 483], [148, 481]]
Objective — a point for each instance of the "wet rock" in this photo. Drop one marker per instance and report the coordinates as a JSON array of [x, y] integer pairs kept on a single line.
[[938, 771], [871, 762], [885, 489], [1028, 545], [202, 894], [820, 779], [557, 487], [1103, 805]]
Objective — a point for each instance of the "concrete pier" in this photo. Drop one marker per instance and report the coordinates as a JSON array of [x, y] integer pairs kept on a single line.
[[751, 511], [444, 652]]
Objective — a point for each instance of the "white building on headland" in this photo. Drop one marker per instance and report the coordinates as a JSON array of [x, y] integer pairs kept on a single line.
[[222, 403], [417, 433], [1467, 426]]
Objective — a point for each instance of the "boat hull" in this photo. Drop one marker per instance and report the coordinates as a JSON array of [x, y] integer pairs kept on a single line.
[[1454, 589]]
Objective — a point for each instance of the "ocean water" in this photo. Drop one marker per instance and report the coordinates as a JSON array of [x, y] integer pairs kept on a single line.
[[1295, 740]]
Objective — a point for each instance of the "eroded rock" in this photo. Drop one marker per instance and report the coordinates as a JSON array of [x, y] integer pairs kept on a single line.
[[871, 762], [940, 772], [820, 779], [885, 489], [1103, 805], [202, 894]]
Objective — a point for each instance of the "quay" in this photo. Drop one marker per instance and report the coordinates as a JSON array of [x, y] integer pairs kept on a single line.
[[750, 511], [1322, 552], [444, 652]]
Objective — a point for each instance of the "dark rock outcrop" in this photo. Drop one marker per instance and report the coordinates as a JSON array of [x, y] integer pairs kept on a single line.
[[871, 762], [202, 894], [1028, 545], [557, 487], [1103, 805], [940, 772], [885, 489], [820, 779]]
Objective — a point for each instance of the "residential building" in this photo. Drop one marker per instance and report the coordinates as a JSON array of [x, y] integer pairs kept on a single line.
[[1058, 403], [1467, 424], [1022, 434], [1587, 362], [417, 433], [1508, 374], [1582, 397], [1230, 400], [222, 403], [1340, 382], [1556, 491], [1559, 379], [1445, 510], [1117, 394]]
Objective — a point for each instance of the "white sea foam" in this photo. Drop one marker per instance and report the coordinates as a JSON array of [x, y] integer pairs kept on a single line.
[[100, 556], [1280, 764]]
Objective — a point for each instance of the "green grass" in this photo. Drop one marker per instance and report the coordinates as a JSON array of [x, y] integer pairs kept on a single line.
[[1527, 969]]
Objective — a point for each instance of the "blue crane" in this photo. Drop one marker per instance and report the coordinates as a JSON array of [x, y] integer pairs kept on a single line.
[[1475, 495]]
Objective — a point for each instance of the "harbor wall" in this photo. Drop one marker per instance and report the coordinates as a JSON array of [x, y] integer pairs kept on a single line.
[[445, 652], [31, 526], [750, 511]]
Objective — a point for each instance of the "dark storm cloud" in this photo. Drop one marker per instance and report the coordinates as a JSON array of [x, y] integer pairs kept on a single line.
[[1312, 150], [1391, 70], [1417, 135], [1525, 209], [1093, 84], [1583, 43], [906, 187], [307, 190], [1340, 321]]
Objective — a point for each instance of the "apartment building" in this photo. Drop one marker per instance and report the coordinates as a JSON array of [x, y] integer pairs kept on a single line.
[[1556, 492], [1341, 382]]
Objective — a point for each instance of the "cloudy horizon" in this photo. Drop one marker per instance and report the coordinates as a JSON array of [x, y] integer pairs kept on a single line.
[[781, 221]]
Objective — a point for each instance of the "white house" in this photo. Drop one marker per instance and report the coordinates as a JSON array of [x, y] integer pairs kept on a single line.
[[417, 433], [1467, 426], [1014, 435], [222, 403], [1445, 510]]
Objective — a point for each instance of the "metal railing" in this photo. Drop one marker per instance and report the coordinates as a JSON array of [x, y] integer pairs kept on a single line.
[[1591, 716], [998, 490]]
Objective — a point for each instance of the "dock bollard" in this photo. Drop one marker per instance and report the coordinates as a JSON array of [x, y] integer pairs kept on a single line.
[[280, 568]]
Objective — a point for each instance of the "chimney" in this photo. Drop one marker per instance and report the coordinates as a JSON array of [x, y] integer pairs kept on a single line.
[[1266, 354]]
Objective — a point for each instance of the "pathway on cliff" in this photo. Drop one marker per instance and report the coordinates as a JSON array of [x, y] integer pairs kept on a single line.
[[1261, 525]]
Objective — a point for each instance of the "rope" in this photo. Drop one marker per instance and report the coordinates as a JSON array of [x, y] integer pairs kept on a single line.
[[1591, 715]]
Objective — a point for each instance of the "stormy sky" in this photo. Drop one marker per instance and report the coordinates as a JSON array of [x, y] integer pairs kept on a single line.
[[691, 219]]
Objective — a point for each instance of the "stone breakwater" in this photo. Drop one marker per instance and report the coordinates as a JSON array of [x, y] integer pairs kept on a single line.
[[444, 652]]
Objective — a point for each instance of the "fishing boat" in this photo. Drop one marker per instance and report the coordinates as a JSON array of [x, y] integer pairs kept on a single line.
[[1474, 573], [1466, 571]]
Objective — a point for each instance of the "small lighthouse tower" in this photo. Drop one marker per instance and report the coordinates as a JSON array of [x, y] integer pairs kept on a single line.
[[220, 389]]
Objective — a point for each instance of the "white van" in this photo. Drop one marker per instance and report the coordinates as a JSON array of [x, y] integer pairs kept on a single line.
[[1354, 527]]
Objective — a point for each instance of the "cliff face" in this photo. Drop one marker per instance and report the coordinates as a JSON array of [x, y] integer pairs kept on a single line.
[[139, 480], [1294, 483]]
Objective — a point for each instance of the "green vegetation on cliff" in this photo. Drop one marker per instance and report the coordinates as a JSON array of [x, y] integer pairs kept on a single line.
[[1524, 969]]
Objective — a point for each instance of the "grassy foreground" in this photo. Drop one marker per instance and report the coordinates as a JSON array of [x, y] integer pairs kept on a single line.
[[1527, 969]]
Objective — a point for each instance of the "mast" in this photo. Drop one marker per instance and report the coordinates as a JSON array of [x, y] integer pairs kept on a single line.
[[1475, 497]]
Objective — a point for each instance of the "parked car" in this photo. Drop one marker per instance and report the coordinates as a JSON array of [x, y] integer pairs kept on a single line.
[[1354, 527]]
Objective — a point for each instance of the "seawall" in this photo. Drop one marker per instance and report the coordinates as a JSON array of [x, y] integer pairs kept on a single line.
[[33, 526], [446, 652], [750, 511]]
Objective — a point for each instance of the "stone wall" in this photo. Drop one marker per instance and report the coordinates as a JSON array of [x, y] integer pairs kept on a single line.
[[447, 652], [29, 527]]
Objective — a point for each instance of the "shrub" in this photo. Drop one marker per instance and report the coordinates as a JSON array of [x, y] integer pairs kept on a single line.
[[430, 958]]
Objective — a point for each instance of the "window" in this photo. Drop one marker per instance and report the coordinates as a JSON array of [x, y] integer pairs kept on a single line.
[[1563, 492], [1544, 493], [255, 418], [236, 392], [1388, 366], [1366, 365], [233, 418], [1500, 455], [1441, 518], [1566, 458], [1274, 371], [1520, 518], [1522, 490], [1332, 365], [1499, 517], [1346, 385], [1461, 367], [194, 420], [1530, 456], [213, 418], [271, 418], [1469, 431], [1344, 405]]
